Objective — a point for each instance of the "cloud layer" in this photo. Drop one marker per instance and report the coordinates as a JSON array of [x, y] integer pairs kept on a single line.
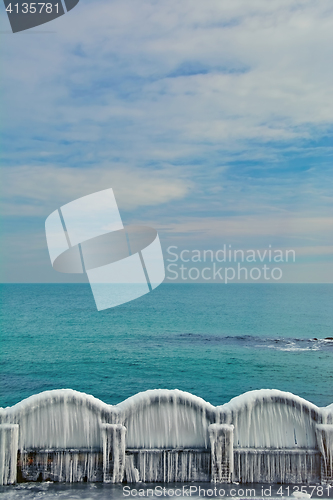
[[202, 116], [37, 190]]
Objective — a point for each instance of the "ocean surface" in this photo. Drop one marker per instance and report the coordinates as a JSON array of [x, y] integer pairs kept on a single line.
[[213, 340]]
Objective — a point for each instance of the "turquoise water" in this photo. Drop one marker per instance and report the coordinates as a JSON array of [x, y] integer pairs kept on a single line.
[[215, 341]]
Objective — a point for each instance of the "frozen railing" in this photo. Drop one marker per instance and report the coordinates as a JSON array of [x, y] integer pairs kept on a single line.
[[168, 435]]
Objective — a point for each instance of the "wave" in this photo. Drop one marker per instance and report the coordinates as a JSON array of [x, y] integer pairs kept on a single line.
[[257, 342]]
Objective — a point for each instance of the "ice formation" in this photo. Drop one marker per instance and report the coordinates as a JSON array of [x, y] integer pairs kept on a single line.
[[166, 435], [58, 419], [283, 466], [166, 419], [167, 466], [8, 453], [325, 442], [271, 419]]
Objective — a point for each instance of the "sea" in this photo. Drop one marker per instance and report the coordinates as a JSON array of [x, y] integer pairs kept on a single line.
[[216, 341]]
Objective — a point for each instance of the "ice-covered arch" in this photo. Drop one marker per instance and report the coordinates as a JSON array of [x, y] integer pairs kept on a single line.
[[166, 435], [163, 418], [276, 436], [58, 419], [272, 419]]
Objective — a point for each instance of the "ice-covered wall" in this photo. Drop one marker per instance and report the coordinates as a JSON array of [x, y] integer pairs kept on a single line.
[[59, 419], [166, 419], [82, 438], [272, 419]]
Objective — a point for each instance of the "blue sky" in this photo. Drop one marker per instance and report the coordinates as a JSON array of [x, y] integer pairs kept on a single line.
[[211, 120]]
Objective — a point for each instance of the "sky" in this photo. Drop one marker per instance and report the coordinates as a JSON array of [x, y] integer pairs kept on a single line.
[[211, 120]]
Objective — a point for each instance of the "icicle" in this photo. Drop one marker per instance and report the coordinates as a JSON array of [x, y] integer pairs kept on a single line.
[[167, 466], [276, 466], [68, 436], [222, 452], [166, 419], [63, 466], [325, 442], [58, 420], [113, 437], [271, 419], [8, 453]]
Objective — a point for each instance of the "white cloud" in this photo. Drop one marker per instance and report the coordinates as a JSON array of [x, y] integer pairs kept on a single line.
[[33, 191], [192, 108], [291, 224], [127, 61]]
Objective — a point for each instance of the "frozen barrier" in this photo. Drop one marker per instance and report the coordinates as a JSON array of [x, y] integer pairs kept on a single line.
[[166, 436], [268, 420]]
